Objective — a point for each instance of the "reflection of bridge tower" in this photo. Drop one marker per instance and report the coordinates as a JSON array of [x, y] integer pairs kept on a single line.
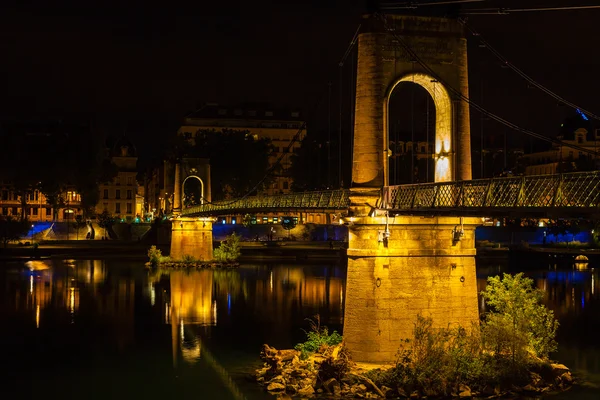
[[191, 304], [399, 267], [191, 236]]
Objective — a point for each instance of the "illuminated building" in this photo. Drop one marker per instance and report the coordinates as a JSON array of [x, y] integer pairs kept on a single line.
[[120, 196], [562, 158], [38, 210]]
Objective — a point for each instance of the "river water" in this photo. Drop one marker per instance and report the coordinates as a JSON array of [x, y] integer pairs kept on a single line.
[[105, 329]]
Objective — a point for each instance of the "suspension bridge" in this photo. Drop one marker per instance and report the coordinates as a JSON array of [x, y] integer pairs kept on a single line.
[[411, 247]]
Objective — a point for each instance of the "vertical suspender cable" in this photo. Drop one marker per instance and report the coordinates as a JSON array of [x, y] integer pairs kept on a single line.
[[340, 180]]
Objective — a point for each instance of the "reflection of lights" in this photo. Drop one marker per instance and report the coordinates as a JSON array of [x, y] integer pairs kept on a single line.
[[214, 310], [271, 280], [228, 303], [152, 295], [167, 319], [72, 303], [37, 316], [36, 265], [30, 283], [181, 329], [592, 283]]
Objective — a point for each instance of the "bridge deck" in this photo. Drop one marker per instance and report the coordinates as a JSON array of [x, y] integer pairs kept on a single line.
[[560, 195]]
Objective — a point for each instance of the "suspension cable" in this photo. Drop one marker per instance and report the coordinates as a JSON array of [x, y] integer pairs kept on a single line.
[[294, 139], [464, 98], [522, 74]]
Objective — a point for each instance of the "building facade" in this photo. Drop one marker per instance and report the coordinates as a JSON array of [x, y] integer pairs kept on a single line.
[[561, 158], [37, 209], [120, 197]]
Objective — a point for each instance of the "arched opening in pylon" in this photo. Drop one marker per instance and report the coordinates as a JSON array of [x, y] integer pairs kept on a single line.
[[192, 191], [418, 131]]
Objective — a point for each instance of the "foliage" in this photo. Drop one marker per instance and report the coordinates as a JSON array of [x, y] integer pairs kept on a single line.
[[316, 338], [155, 256], [516, 337], [11, 230], [238, 159], [188, 259], [309, 165], [518, 323], [53, 156], [229, 249], [105, 221], [288, 223], [247, 220]]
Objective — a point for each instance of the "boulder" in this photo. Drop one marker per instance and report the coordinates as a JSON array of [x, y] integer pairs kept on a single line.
[[464, 392], [306, 391], [332, 386], [275, 387]]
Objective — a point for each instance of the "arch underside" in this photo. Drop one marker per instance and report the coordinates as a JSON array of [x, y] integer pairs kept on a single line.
[[444, 148]]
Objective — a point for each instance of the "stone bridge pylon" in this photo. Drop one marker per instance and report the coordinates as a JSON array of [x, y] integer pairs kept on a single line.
[[402, 266], [191, 236]]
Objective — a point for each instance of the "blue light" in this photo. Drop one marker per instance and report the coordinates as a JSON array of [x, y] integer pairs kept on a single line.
[[585, 118]]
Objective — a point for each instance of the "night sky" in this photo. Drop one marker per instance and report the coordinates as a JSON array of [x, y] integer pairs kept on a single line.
[[140, 68]]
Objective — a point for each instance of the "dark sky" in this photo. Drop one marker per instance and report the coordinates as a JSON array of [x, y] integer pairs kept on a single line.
[[142, 67]]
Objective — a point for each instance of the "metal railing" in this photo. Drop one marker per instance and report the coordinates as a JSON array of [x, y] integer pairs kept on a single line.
[[578, 191], [323, 200]]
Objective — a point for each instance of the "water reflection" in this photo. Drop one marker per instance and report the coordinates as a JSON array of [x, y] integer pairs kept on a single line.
[[273, 297], [71, 314]]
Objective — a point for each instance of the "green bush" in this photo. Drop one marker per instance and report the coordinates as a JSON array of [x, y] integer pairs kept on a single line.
[[317, 337], [155, 256], [229, 249], [188, 259], [518, 324], [516, 337]]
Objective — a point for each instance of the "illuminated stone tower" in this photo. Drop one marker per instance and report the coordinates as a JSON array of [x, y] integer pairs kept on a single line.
[[403, 266]]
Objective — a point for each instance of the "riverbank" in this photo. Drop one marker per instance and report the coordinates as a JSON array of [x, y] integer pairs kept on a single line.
[[251, 251]]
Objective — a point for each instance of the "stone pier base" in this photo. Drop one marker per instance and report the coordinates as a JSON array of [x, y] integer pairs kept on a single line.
[[419, 269], [193, 237]]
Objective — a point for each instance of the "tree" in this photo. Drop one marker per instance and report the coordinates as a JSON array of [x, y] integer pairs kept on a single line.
[[518, 323], [288, 223], [105, 221], [11, 230], [307, 170], [229, 249], [239, 161]]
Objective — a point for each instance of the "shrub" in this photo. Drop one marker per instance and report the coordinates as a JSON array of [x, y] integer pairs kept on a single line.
[[188, 259], [229, 249], [518, 323], [155, 256], [316, 338]]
